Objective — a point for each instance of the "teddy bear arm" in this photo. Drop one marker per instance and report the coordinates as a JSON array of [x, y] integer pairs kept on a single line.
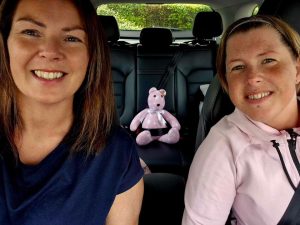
[[138, 119], [171, 120]]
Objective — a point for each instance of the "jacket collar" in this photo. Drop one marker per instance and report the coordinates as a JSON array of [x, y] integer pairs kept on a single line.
[[256, 130]]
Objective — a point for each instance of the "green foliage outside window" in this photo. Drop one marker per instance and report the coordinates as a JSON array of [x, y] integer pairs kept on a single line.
[[137, 16], [255, 10]]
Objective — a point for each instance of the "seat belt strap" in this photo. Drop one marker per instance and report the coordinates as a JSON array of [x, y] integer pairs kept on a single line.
[[292, 214], [170, 69]]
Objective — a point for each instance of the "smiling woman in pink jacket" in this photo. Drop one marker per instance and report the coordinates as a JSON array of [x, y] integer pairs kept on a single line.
[[249, 162]]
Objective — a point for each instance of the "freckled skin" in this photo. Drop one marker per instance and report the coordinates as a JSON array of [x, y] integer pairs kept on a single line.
[[257, 64]]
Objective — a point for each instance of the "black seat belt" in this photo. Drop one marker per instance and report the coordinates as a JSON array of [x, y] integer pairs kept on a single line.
[[292, 214], [170, 69]]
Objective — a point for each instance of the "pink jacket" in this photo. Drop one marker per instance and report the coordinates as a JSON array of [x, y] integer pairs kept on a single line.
[[237, 167]]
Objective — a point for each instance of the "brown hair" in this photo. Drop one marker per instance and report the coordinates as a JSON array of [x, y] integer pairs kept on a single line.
[[93, 105], [289, 37]]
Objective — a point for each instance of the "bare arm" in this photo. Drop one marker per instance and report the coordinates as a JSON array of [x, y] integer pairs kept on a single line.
[[127, 206]]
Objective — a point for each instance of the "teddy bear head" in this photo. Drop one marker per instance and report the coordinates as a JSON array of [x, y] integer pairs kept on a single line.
[[156, 99]]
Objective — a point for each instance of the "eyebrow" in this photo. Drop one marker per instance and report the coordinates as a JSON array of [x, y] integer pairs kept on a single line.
[[233, 60], [259, 55], [28, 19], [40, 24], [267, 52]]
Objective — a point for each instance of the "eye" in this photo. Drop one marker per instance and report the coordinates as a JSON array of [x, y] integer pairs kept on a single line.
[[72, 39], [31, 32], [238, 67], [268, 60], [154, 96], [162, 96]]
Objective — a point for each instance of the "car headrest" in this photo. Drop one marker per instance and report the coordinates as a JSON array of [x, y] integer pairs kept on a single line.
[[156, 37], [207, 25], [216, 105], [110, 27], [287, 10]]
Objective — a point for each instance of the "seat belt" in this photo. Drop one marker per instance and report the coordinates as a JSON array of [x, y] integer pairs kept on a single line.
[[170, 69], [292, 214]]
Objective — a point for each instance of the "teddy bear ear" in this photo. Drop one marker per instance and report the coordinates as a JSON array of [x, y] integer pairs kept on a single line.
[[152, 89], [163, 92]]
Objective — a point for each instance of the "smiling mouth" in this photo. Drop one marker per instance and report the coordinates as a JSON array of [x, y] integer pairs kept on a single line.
[[259, 95], [48, 75]]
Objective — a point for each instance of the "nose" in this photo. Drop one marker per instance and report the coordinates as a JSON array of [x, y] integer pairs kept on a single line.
[[158, 105], [254, 77], [51, 50]]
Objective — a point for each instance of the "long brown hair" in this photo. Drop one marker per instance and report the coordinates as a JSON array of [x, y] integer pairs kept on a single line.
[[93, 105]]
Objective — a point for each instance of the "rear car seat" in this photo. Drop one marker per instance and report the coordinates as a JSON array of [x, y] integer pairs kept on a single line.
[[154, 54], [164, 192], [136, 69], [195, 69], [288, 10], [123, 64], [207, 27], [163, 201]]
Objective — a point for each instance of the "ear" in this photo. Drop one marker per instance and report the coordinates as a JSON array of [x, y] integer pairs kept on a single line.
[[152, 89], [163, 92], [298, 70]]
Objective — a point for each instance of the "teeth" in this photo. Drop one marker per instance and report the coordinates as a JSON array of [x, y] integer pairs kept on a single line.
[[48, 75], [259, 95]]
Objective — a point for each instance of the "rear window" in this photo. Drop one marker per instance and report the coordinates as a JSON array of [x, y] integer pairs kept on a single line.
[[134, 17]]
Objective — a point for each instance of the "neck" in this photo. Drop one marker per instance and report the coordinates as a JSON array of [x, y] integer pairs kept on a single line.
[[44, 117], [290, 118], [44, 126]]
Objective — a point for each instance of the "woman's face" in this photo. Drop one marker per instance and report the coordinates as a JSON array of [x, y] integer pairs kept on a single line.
[[48, 50], [262, 75]]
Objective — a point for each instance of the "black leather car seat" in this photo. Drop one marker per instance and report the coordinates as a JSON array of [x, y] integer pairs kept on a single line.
[[163, 201], [196, 69], [207, 26], [154, 54], [123, 64], [288, 10], [136, 69]]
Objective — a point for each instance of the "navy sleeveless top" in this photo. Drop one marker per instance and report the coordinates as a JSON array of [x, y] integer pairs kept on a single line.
[[68, 190]]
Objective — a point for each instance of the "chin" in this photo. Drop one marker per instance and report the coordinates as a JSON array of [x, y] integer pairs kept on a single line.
[[259, 115]]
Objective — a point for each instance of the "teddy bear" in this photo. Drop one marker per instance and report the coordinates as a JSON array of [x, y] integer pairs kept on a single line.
[[155, 121]]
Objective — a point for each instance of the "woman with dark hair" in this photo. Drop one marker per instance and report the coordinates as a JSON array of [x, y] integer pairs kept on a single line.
[[62, 158], [249, 161]]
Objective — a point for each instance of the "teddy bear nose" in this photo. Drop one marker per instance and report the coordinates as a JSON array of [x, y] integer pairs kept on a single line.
[[158, 104]]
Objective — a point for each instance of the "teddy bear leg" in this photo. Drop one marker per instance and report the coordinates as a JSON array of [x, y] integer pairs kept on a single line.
[[171, 137], [144, 138]]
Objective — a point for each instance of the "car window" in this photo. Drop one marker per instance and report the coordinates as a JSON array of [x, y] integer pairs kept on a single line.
[[133, 17], [255, 10]]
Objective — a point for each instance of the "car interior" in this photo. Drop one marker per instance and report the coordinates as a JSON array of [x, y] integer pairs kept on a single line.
[[182, 69]]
